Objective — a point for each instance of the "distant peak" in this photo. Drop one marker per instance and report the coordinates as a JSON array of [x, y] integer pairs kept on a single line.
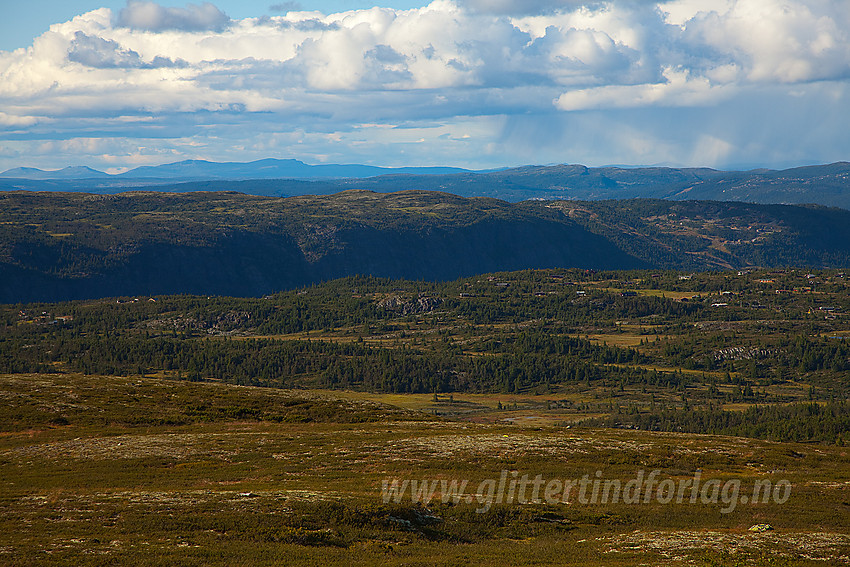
[[70, 172]]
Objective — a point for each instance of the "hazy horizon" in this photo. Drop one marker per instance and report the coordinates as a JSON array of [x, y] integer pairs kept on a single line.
[[741, 168]]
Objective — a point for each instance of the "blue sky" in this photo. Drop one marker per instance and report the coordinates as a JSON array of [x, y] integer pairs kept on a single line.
[[470, 83]]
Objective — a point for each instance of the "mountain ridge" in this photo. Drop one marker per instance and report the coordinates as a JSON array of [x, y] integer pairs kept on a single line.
[[195, 169], [56, 246], [70, 172]]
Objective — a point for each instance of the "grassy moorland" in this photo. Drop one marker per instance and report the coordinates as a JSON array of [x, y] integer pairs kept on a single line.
[[101, 470]]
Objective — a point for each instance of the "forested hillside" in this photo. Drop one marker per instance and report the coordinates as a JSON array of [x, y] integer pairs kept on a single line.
[[56, 246], [63, 246], [639, 349]]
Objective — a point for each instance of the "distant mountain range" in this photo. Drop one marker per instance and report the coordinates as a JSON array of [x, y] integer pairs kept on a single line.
[[56, 246], [819, 184], [822, 184], [202, 170], [73, 172]]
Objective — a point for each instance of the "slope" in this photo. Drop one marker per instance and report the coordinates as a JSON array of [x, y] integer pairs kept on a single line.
[[65, 246]]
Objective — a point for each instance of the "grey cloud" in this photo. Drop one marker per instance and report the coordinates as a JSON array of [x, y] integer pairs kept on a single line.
[[385, 54], [107, 54], [102, 53], [264, 76], [385, 65], [150, 16], [309, 25], [160, 62]]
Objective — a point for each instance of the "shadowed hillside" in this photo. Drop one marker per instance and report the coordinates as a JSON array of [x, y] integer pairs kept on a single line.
[[56, 246], [65, 246]]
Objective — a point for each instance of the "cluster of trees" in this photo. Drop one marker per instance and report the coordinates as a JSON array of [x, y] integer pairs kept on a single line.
[[472, 315], [531, 360], [770, 359], [801, 422], [518, 332]]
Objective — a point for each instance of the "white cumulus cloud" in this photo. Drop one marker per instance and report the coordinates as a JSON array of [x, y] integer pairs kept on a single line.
[[481, 83]]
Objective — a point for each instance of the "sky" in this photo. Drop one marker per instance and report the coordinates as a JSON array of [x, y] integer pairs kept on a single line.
[[730, 84]]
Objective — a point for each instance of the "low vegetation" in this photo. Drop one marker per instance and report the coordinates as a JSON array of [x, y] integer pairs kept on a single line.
[[177, 484]]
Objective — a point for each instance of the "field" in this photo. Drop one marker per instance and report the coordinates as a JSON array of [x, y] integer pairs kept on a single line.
[[103, 470]]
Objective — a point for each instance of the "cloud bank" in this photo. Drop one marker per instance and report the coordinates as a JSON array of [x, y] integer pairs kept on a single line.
[[467, 82]]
